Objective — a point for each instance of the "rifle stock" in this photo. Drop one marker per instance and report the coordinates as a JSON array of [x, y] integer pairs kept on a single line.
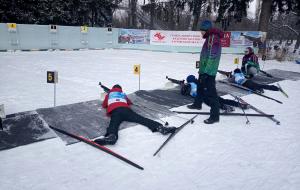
[[106, 89]]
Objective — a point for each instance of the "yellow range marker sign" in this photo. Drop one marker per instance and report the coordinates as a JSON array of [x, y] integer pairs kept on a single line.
[[11, 25], [236, 60], [137, 69]]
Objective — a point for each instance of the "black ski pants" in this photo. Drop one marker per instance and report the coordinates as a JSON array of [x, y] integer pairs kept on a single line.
[[256, 86], [228, 102], [207, 92], [121, 114], [223, 102]]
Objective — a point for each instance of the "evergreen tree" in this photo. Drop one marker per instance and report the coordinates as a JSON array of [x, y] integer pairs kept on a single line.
[[60, 12]]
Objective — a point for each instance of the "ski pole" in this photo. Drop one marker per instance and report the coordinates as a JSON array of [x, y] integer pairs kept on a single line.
[[247, 122], [156, 110], [173, 134]]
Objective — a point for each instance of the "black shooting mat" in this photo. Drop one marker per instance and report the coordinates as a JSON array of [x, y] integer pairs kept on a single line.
[[22, 129], [168, 98], [89, 119]]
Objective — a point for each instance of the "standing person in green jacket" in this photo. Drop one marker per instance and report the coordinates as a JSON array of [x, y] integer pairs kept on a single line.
[[209, 63]]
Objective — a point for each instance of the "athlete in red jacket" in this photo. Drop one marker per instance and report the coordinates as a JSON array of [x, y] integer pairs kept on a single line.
[[117, 105]]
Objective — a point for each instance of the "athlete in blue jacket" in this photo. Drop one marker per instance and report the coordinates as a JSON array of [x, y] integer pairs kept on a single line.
[[190, 88]]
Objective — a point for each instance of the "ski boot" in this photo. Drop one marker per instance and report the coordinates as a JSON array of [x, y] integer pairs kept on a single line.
[[227, 108], [194, 106], [166, 130], [211, 120], [110, 139], [259, 91]]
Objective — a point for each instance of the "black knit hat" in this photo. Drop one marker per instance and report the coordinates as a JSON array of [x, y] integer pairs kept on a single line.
[[117, 86]]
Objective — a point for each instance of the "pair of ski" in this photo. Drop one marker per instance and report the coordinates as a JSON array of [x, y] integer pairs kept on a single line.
[[261, 113], [116, 155], [248, 90], [225, 114], [256, 109]]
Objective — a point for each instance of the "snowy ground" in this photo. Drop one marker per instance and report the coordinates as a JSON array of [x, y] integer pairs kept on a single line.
[[227, 155]]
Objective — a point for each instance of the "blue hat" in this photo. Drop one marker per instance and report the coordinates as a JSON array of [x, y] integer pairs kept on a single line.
[[190, 78], [205, 25]]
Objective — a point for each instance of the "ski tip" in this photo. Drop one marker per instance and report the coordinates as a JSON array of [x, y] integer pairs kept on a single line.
[[167, 77]]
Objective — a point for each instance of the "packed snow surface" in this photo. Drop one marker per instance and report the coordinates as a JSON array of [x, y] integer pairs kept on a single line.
[[227, 155]]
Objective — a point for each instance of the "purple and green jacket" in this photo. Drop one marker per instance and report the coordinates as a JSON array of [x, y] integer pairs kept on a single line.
[[211, 52]]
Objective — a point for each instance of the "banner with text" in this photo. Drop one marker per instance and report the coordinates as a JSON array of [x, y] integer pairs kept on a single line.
[[176, 38], [247, 38], [133, 36], [225, 41]]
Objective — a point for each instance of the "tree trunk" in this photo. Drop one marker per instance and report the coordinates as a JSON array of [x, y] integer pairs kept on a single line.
[[133, 23], [171, 15], [152, 14], [196, 13], [265, 14]]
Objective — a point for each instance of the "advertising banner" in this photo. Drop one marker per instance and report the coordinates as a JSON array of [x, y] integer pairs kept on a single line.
[[225, 41], [247, 38], [133, 36], [176, 38]]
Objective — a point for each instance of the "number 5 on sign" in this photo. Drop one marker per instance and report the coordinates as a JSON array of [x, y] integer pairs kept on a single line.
[[137, 69]]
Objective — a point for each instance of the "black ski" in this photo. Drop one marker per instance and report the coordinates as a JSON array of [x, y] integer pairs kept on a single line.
[[227, 114], [103, 148], [249, 90], [173, 134], [180, 82], [265, 73], [258, 110]]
